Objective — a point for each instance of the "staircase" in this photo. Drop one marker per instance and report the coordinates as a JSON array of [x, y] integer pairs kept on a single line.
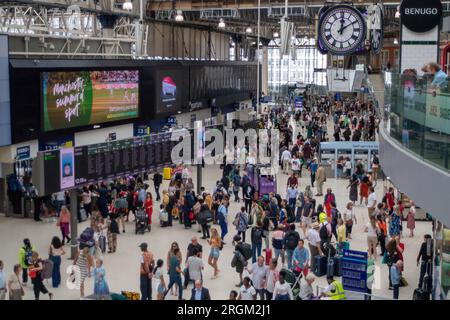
[[377, 82]]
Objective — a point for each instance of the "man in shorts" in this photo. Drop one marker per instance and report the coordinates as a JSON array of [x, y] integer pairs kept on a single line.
[[307, 212]]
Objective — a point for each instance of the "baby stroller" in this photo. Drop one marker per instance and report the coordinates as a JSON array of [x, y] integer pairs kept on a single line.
[[141, 221], [294, 281]]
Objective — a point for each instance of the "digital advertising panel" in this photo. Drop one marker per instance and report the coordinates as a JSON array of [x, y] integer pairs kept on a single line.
[[168, 91], [80, 98], [67, 168]]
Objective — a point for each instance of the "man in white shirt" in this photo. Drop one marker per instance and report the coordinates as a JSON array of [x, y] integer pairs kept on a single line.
[[285, 160], [371, 201], [259, 272], [195, 266], [295, 166], [314, 243]]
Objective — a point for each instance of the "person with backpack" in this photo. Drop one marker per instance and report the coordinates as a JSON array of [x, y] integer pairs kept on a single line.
[[291, 239], [256, 236], [25, 259], [241, 223], [36, 268], [56, 250], [242, 253]]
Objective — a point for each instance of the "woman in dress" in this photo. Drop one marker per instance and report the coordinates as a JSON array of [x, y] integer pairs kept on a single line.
[[83, 261], [101, 289], [216, 243], [148, 205], [353, 185], [174, 250], [395, 222], [56, 250], [160, 283], [410, 219], [364, 190], [349, 220]]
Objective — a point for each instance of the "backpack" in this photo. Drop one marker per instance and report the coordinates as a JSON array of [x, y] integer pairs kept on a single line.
[[47, 269], [257, 235], [28, 259], [114, 226], [323, 233], [246, 250], [87, 237], [291, 241]]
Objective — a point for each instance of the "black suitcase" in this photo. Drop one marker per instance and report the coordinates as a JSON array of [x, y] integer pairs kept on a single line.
[[420, 294], [320, 266], [330, 267], [338, 266]]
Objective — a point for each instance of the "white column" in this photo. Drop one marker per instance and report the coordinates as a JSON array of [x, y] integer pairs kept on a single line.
[[265, 70]]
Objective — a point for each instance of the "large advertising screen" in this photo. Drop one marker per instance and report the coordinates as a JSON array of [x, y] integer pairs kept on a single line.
[[80, 98], [169, 91]]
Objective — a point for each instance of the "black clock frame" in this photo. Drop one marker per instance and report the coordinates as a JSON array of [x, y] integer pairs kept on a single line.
[[324, 43]]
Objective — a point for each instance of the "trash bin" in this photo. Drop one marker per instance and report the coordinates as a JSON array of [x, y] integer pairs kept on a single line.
[[167, 173]]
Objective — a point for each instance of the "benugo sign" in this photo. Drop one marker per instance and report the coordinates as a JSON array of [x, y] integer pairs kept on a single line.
[[421, 15]]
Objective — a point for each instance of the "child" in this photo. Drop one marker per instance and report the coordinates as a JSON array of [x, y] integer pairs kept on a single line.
[[101, 289], [113, 231], [163, 216]]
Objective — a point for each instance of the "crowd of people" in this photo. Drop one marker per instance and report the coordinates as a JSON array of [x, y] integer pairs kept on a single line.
[[286, 234]]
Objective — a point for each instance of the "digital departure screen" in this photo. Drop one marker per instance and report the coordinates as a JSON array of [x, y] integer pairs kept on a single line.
[[80, 98]]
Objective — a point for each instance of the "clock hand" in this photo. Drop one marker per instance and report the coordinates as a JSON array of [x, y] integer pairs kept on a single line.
[[345, 27]]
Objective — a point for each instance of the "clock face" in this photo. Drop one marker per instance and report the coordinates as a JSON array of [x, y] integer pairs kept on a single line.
[[342, 30]]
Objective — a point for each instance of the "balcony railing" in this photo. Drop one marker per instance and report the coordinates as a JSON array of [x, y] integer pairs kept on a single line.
[[417, 115]]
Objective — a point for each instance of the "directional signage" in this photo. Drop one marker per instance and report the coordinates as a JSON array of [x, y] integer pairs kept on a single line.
[[354, 270]]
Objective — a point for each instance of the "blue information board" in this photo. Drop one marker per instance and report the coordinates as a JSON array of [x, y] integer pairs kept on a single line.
[[354, 270]]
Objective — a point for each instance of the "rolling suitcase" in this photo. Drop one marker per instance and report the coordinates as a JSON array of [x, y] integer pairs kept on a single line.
[[338, 266], [423, 293], [330, 267], [268, 256], [320, 266]]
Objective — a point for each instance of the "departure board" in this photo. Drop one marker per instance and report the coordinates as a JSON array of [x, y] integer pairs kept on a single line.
[[108, 160]]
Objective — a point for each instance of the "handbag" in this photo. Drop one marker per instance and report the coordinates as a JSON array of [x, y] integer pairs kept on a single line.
[[403, 282]]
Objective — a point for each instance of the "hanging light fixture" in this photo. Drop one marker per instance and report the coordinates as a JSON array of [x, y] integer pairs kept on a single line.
[[248, 30], [127, 5], [276, 35], [395, 41], [221, 24], [179, 16]]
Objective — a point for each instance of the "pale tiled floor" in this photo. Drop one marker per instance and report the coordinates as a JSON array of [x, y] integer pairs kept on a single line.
[[122, 268]]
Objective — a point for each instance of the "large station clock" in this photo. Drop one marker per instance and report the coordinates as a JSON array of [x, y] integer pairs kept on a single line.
[[342, 30]]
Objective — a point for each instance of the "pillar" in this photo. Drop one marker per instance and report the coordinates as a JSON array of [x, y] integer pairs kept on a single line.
[[265, 67], [73, 222]]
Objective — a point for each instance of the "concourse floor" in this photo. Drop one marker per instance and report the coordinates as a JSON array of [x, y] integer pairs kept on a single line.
[[122, 267]]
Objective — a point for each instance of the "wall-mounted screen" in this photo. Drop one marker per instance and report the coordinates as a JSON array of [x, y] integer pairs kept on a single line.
[[168, 91], [80, 98]]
